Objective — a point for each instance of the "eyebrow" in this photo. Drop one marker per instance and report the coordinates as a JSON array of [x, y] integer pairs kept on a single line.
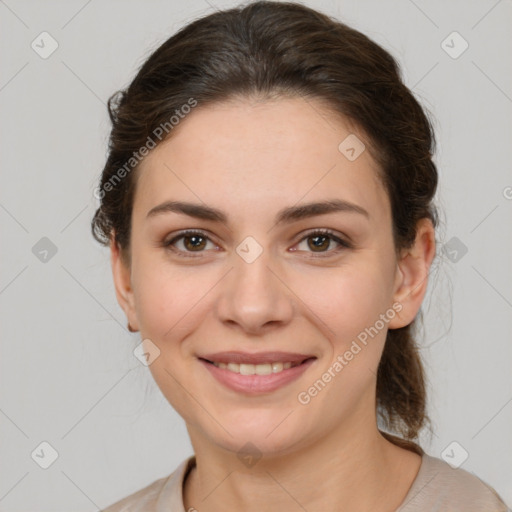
[[284, 216]]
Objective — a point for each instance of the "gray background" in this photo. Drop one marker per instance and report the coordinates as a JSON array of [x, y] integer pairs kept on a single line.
[[68, 374]]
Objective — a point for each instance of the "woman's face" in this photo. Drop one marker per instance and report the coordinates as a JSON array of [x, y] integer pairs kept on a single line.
[[260, 287]]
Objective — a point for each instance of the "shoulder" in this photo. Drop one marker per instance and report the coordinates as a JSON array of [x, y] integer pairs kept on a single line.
[[144, 499], [438, 486], [166, 490]]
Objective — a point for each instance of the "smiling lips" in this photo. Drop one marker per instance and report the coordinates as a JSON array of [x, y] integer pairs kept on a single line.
[[256, 373]]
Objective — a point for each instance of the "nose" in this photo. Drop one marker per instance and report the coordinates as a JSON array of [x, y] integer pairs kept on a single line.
[[254, 297]]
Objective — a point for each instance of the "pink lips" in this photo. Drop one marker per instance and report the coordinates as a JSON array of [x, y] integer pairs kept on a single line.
[[256, 384]]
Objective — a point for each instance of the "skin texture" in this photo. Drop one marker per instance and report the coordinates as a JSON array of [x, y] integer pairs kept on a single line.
[[250, 159]]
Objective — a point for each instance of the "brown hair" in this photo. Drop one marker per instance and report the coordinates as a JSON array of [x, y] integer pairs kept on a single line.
[[272, 49]]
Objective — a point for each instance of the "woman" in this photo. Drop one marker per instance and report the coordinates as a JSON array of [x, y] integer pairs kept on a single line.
[[268, 203]]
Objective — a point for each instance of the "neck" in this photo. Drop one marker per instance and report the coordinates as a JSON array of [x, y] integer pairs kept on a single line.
[[340, 472]]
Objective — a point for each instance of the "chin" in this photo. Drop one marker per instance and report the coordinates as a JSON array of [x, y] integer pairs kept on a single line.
[[264, 432]]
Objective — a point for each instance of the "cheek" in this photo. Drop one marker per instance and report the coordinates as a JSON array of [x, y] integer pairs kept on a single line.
[[345, 301], [170, 304], [165, 299], [351, 305]]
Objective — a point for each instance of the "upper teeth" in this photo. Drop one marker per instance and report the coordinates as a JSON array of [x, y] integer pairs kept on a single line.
[[254, 369]]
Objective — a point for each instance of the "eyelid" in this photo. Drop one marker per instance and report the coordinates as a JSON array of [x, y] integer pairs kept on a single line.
[[185, 232], [326, 231]]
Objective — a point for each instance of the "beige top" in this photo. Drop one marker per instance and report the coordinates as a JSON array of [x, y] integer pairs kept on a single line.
[[437, 487]]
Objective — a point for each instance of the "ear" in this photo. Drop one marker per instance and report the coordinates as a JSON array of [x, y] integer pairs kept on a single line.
[[412, 274], [121, 273]]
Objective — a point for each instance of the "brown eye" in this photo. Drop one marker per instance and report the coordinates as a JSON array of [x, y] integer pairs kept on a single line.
[[188, 242], [320, 241], [194, 242]]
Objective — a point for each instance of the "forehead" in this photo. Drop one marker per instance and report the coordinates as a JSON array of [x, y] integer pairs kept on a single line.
[[260, 155]]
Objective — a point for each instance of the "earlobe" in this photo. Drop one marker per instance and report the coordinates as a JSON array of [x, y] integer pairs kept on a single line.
[[412, 274], [122, 281]]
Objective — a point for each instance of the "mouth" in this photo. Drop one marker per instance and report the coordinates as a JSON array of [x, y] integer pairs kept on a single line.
[[255, 369], [256, 373]]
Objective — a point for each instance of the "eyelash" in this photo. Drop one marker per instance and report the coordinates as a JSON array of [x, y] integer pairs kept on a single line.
[[322, 232]]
